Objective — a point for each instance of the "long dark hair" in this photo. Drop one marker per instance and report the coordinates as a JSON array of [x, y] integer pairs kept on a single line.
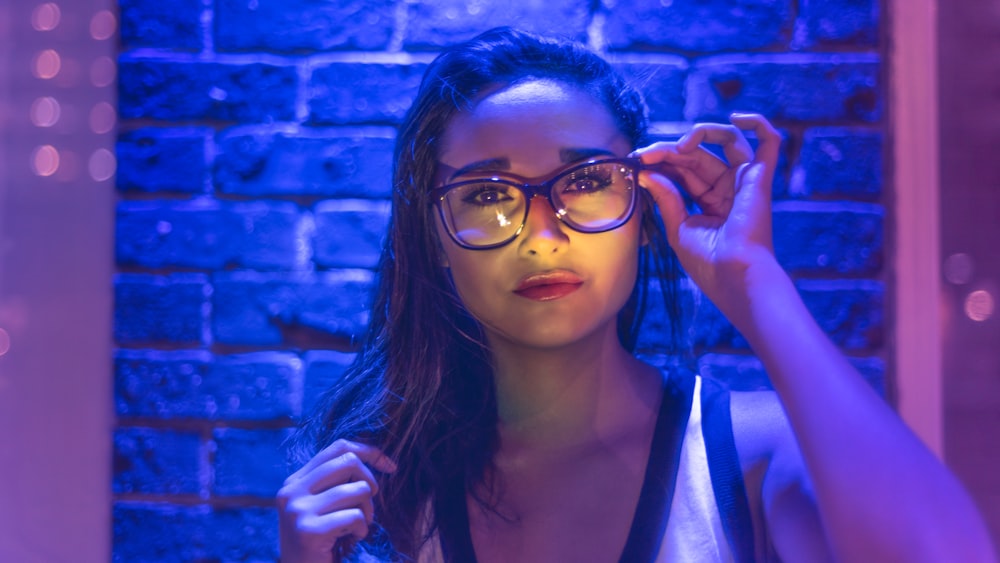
[[421, 387]]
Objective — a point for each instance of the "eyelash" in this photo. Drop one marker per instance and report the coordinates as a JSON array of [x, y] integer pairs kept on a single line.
[[473, 198], [602, 181]]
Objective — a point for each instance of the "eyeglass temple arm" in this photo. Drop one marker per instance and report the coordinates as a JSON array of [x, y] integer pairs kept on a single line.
[[664, 168]]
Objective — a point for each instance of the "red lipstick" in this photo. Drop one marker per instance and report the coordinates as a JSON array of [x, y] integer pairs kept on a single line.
[[547, 286]]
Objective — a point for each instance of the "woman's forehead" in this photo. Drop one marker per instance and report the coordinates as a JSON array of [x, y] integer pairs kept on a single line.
[[541, 118], [530, 98]]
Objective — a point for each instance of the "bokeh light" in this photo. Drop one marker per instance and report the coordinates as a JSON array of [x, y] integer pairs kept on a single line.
[[959, 268], [45, 111], [45, 160], [102, 72], [102, 25], [4, 342], [102, 165], [46, 64], [979, 305], [45, 17], [102, 118]]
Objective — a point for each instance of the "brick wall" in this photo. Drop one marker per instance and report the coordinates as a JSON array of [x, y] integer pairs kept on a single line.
[[254, 161]]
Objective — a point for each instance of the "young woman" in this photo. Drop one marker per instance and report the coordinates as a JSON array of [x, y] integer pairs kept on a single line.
[[496, 412]]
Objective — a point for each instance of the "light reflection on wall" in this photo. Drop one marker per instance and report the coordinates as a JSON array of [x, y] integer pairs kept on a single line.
[[57, 129], [46, 17], [960, 269], [48, 159], [45, 160], [101, 165], [103, 25], [979, 305], [102, 118], [45, 111], [63, 108], [4, 342]]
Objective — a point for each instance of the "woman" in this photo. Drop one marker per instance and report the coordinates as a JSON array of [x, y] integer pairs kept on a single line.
[[496, 412]]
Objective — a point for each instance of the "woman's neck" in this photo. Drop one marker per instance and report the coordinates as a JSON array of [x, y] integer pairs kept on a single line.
[[557, 398]]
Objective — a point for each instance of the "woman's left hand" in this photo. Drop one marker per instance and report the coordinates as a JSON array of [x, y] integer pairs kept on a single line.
[[732, 234]]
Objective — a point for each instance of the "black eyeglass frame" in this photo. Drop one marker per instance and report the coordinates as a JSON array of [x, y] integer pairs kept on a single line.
[[544, 189]]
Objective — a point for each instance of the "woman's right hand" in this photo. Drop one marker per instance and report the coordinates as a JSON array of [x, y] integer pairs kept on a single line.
[[329, 499]]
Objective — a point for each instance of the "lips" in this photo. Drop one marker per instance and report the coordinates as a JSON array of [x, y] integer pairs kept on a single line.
[[546, 286]]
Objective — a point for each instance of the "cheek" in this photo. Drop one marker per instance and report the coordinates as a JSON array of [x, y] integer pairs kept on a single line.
[[469, 269], [626, 261], [440, 242]]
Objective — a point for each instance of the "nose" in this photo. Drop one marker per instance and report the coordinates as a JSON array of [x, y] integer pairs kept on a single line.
[[543, 232]]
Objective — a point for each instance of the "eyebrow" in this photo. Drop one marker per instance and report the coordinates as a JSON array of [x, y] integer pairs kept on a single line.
[[573, 155], [479, 165], [565, 155]]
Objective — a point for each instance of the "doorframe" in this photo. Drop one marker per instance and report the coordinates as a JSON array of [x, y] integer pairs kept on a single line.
[[914, 137]]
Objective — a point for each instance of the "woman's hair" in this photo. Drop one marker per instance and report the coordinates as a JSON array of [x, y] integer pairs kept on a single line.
[[421, 386]]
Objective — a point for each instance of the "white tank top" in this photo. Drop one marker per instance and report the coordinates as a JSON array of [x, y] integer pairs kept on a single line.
[[698, 514]]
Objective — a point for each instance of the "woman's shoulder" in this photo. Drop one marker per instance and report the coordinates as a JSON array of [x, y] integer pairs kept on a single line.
[[760, 427], [771, 460]]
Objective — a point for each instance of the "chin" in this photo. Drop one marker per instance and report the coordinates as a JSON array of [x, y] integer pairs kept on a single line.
[[554, 337]]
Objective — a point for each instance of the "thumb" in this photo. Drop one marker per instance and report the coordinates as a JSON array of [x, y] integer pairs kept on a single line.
[[668, 199]]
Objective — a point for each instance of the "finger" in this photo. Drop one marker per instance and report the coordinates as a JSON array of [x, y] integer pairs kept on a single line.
[[734, 145], [759, 174], [368, 454], [340, 524], [753, 205], [348, 496], [345, 468], [768, 138], [712, 199], [668, 200], [357, 494], [655, 151], [696, 171]]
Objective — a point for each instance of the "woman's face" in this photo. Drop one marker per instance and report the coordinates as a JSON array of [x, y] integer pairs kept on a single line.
[[551, 286]]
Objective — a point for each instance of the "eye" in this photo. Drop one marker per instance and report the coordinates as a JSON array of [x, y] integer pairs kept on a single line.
[[593, 179], [486, 195]]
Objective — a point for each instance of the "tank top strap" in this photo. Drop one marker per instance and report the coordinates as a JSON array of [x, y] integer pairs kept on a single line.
[[650, 520], [725, 471]]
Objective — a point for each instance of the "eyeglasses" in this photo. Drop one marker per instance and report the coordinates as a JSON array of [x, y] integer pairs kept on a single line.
[[590, 197]]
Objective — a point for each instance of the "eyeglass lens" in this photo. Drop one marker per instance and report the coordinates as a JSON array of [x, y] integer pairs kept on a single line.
[[594, 197]]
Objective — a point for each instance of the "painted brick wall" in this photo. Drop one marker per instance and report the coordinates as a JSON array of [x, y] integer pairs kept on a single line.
[[254, 162]]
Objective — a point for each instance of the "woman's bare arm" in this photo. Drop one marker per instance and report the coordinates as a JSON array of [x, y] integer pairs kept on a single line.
[[881, 495]]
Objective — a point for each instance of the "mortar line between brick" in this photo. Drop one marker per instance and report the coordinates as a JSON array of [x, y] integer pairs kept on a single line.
[[595, 32], [400, 27], [304, 72], [207, 23]]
